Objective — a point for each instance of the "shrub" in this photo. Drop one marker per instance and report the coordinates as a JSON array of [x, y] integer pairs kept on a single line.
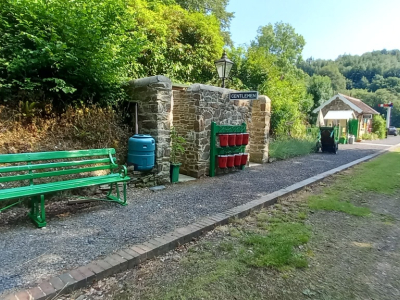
[[286, 148], [84, 47], [312, 132], [379, 126], [370, 136]]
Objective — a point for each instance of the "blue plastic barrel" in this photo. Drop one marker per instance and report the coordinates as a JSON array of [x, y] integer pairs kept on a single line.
[[141, 152]]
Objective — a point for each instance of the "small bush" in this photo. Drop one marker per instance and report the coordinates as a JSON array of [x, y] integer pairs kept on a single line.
[[370, 136], [286, 148], [379, 126], [312, 132]]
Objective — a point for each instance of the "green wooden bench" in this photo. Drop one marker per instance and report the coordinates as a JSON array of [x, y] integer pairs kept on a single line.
[[26, 168]]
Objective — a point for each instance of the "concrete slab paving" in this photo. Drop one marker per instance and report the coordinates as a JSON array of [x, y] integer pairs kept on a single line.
[[185, 178]]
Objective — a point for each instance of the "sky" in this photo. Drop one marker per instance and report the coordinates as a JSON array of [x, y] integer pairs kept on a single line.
[[329, 27]]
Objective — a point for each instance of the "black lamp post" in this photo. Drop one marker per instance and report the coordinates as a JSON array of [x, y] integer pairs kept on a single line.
[[224, 66]]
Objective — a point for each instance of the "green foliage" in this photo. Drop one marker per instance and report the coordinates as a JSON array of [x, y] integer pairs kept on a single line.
[[370, 136], [320, 87], [213, 7], [379, 126], [286, 148], [179, 44], [83, 47], [269, 66], [282, 41], [84, 50], [27, 109], [177, 143], [290, 103], [337, 79]]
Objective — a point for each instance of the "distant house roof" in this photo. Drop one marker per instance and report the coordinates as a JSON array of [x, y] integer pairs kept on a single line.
[[355, 104], [366, 109]]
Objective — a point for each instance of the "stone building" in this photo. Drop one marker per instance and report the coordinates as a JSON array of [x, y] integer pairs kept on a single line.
[[341, 108], [191, 109]]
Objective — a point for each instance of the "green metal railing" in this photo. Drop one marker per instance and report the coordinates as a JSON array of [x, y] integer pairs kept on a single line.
[[215, 151]]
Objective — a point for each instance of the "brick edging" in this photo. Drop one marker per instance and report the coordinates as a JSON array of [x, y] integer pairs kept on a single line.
[[130, 257]]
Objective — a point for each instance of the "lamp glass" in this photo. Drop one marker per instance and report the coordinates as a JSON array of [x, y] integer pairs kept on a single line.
[[224, 66], [220, 68], [228, 68]]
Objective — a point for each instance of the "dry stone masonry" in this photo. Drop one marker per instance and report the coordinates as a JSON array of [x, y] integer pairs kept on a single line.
[[153, 95], [191, 110]]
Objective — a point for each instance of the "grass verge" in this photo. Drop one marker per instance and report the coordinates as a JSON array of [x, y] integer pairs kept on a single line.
[[286, 148], [380, 176]]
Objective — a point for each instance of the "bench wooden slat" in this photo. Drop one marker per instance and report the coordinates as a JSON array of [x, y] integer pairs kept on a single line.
[[52, 187], [55, 173], [34, 166], [54, 165], [25, 157]]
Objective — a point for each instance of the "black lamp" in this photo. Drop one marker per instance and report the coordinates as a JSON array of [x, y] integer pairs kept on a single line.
[[224, 66]]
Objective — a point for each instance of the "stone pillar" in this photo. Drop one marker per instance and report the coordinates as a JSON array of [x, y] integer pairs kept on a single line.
[[154, 95], [260, 124]]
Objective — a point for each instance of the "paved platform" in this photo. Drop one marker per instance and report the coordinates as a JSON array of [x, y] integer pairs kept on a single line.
[[185, 178]]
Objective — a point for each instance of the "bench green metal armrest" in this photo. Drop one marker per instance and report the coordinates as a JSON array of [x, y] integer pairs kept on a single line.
[[28, 168]]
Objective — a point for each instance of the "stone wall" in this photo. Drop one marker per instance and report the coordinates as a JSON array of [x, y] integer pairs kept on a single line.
[[194, 110], [259, 130], [191, 111], [336, 104], [154, 94], [184, 118]]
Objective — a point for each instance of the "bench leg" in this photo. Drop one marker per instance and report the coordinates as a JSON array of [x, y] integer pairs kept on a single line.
[[38, 213], [118, 197]]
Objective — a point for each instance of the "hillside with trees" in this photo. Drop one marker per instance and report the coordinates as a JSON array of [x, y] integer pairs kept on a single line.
[[373, 77]]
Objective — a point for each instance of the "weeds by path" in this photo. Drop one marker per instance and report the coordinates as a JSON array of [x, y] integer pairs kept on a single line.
[[291, 147]]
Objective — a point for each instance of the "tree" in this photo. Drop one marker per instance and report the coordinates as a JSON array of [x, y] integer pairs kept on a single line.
[[66, 50], [282, 41], [338, 80], [393, 84], [378, 82], [290, 104], [320, 87], [84, 50], [379, 126], [179, 44], [269, 66], [363, 83], [214, 7]]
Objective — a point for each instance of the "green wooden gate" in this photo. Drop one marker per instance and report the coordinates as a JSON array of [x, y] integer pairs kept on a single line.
[[353, 127]]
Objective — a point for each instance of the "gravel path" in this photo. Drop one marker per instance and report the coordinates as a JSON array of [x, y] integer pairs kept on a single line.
[[29, 255]]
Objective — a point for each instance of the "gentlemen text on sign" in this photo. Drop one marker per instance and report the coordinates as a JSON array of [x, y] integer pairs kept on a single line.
[[243, 96]]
